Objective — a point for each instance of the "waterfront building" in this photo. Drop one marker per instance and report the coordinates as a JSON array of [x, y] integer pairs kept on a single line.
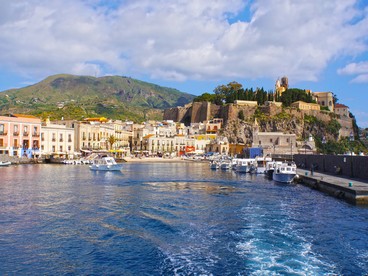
[[57, 140], [122, 138], [220, 145], [20, 135]]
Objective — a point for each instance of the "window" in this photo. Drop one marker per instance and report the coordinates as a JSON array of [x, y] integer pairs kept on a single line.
[[61, 148], [53, 137], [69, 137], [69, 148], [1, 142], [53, 149], [35, 130], [1, 129], [25, 129], [15, 143], [16, 129], [271, 140], [61, 137]]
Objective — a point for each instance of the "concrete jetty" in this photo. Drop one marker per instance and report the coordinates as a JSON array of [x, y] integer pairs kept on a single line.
[[349, 189]]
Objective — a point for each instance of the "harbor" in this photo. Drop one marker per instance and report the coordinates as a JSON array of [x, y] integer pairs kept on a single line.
[[173, 218]]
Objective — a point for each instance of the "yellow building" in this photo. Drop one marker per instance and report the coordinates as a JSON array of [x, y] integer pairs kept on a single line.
[[324, 99], [306, 106]]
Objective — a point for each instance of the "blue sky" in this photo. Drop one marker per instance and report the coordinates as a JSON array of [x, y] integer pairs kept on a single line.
[[192, 45]]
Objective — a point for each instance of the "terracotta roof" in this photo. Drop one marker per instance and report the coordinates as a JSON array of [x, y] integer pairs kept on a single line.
[[338, 105]]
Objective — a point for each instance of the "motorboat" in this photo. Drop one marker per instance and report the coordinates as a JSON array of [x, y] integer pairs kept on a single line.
[[284, 172], [246, 165], [214, 165], [105, 163], [4, 164], [261, 164], [242, 166], [225, 165], [270, 167]]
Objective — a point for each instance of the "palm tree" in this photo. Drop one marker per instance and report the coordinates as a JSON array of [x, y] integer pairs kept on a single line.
[[111, 140]]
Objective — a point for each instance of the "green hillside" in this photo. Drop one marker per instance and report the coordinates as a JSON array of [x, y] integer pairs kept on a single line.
[[78, 97]]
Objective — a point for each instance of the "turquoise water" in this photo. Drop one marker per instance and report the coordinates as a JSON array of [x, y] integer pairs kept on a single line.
[[172, 219]]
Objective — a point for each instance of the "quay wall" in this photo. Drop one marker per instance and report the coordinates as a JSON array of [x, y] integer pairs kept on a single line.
[[345, 193], [350, 166]]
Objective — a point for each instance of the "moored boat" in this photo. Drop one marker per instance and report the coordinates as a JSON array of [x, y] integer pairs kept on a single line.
[[4, 164], [214, 165], [284, 172], [270, 168], [105, 164]]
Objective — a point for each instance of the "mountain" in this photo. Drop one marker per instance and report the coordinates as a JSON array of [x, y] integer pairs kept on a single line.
[[77, 97]]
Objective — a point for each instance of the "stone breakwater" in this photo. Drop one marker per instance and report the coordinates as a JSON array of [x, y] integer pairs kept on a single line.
[[19, 160]]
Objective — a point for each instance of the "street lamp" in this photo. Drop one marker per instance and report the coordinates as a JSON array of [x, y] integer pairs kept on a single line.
[[323, 151], [351, 139]]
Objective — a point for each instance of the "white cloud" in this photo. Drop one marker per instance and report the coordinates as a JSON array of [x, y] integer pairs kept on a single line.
[[360, 69], [179, 40]]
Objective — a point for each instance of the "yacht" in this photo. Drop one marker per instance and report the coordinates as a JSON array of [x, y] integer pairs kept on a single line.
[[105, 163]]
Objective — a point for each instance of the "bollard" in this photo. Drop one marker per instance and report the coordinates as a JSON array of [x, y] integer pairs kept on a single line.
[[350, 184]]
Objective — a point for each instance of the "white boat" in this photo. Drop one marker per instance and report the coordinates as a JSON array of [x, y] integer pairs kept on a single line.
[[4, 164], [225, 165], [261, 164], [214, 165], [270, 167], [105, 164], [246, 165], [284, 172], [242, 165]]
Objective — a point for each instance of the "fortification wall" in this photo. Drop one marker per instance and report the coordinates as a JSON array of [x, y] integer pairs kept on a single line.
[[200, 112]]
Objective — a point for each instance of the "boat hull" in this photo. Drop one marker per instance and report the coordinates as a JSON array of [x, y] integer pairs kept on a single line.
[[283, 177], [116, 167]]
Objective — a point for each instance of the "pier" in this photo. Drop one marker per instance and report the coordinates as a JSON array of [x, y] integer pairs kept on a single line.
[[352, 190]]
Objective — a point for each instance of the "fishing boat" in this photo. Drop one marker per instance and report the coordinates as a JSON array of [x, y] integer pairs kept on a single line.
[[105, 163], [284, 172], [270, 168]]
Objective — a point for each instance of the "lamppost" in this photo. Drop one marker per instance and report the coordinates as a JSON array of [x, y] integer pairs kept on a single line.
[[351, 139], [323, 151], [291, 150]]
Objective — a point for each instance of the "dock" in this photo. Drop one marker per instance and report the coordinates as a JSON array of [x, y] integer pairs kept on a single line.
[[354, 191]]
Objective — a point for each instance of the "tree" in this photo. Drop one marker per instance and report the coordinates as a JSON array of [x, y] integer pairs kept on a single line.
[[292, 95], [111, 140]]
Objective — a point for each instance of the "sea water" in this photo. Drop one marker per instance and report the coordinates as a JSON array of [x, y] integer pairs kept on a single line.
[[172, 219]]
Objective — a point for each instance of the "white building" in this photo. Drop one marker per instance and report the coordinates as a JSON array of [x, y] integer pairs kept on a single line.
[[57, 140]]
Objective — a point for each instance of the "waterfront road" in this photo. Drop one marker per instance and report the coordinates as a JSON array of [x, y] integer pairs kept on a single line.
[[349, 189]]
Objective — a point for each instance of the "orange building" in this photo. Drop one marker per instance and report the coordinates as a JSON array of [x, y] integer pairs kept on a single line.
[[20, 135]]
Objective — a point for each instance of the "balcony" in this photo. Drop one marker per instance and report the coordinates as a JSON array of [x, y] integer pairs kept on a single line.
[[61, 140], [15, 133], [3, 133], [25, 133], [53, 140], [35, 134]]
